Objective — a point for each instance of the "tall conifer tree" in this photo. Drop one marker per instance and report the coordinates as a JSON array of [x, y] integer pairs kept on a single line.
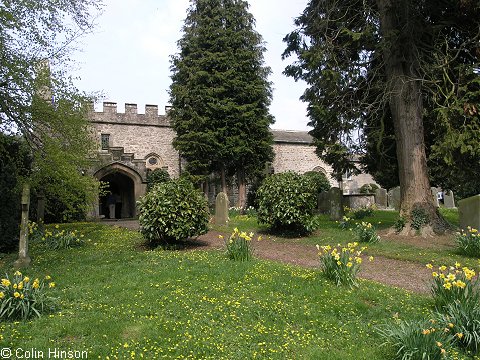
[[220, 93]]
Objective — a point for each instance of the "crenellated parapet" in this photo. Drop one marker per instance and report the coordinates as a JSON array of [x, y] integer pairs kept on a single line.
[[131, 116]]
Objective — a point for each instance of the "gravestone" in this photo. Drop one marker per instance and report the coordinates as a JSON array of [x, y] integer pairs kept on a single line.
[[335, 200], [394, 198], [23, 257], [469, 212], [323, 203], [435, 191], [448, 199], [221, 209], [381, 198]]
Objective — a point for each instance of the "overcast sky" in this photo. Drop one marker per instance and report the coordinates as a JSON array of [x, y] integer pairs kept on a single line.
[[127, 57]]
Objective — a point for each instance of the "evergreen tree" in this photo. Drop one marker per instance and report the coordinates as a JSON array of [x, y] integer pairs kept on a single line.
[[220, 93], [385, 67]]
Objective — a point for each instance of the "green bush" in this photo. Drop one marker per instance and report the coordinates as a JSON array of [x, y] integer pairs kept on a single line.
[[368, 188], [287, 202], [157, 176], [15, 163], [468, 242], [22, 298], [417, 340], [319, 181], [173, 211]]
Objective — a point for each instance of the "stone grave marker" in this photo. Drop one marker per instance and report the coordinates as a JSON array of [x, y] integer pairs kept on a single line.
[[394, 198], [323, 203], [435, 191], [448, 199], [335, 199], [23, 257], [381, 198], [221, 209], [469, 211]]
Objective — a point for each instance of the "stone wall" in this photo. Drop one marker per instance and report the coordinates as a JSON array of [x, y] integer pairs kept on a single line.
[[294, 152]]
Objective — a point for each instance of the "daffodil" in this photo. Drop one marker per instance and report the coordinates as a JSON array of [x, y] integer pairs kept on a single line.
[[6, 282]]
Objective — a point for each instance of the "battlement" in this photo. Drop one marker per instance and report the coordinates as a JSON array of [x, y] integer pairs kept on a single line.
[[109, 114]]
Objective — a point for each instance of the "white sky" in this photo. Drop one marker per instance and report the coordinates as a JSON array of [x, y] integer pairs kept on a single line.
[[128, 56]]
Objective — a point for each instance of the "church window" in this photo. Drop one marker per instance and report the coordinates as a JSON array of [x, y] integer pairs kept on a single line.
[[105, 141]]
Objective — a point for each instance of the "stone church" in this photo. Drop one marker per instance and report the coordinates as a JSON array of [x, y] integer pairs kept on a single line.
[[132, 143]]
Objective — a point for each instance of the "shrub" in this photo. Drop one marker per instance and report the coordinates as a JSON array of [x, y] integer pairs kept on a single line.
[[452, 284], [319, 181], [341, 265], [399, 224], [468, 242], [368, 188], [22, 298], [462, 321], [419, 218], [417, 340], [366, 232], [363, 212], [239, 245], [173, 211], [157, 176], [286, 203]]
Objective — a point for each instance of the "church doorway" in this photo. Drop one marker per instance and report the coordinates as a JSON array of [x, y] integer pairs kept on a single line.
[[119, 203]]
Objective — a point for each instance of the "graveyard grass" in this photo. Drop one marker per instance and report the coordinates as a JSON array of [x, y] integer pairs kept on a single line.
[[119, 301]]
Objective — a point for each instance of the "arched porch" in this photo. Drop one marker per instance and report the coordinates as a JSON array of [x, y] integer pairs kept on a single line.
[[124, 187]]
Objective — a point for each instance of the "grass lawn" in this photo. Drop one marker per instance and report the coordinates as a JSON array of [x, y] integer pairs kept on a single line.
[[118, 301], [121, 302]]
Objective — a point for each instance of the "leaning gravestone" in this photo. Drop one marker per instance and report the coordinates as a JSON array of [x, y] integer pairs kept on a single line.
[[448, 199], [335, 200], [394, 198], [381, 198], [469, 211], [221, 209]]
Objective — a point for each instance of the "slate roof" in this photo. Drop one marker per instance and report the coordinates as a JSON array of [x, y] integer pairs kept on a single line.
[[291, 136]]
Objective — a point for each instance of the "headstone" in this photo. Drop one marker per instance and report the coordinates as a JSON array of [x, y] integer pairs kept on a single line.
[[23, 257], [221, 209], [381, 198], [394, 198], [448, 199], [335, 200], [356, 201], [323, 203], [436, 195], [469, 212]]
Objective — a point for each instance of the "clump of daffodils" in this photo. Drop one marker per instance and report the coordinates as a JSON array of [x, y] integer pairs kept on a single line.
[[341, 264], [453, 283], [239, 245], [22, 297], [366, 232], [62, 239], [468, 242]]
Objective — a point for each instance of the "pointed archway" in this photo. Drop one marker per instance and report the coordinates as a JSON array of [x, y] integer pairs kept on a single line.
[[124, 186]]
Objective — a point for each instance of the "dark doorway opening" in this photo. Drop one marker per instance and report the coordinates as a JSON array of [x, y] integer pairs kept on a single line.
[[121, 194]]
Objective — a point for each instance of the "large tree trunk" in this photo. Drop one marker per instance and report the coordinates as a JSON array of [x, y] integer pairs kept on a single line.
[[242, 189], [406, 105]]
